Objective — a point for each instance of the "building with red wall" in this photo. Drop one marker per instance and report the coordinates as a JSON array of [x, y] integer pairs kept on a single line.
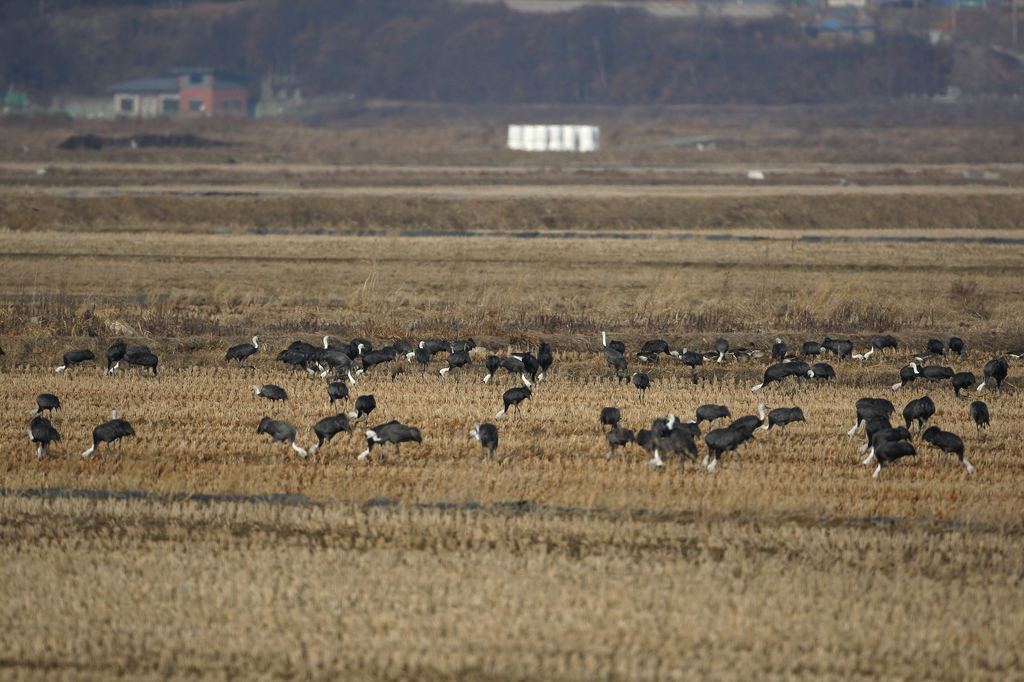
[[195, 92]]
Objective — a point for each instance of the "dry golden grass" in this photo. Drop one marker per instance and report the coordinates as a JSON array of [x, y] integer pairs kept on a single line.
[[756, 571]]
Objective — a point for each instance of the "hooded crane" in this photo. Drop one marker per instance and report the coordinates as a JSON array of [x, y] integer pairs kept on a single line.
[[73, 358], [747, 424], [610, 416], [336, 390], [642, 383], [422, 357], [722, 347], [781, 416], [114, 355], [271, 392], [142, 358], [613, 356], [887, 434], [720, 441], [435, 346], [843, 348], [777, 373], [935, 347], [109, 432], [868, 408], [995, 369], [544, 359], [403, 347], [948, 442], [907, 375], [530, 365], [456, 360], [655, 347], [887, 453], [880, 342], [617, 346], [463, 346], [327, 428], [41, 431], [956, 345], [962, 381], [672, 437], [378, 357], [936, 373], [513, 397], [339, 361], [487, 435], [979, 413], [920, 411], [46, 402], [279, 431], [618, 437], [365, 404], [779, 350], [812, 348], [822, 370], [709, 413], [243, 351], [393, 433]]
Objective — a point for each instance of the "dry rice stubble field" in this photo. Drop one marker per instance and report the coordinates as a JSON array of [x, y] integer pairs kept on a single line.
[[750, 571]]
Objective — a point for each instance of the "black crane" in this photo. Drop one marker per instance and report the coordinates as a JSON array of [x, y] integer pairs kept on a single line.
[[487, 435], [271, 392], [73, 358], [642, 383], [979, 413], [279, 431], [995, 369], [243, 351], [337, 390], [962, 381], [868, 408], [46, 402], [114, 355], [949, 443], [41, 432], [709, 413], [782, 416], [610, 416], [327, 428], [513, 397], [887, 453], [920, 411], [392, 432], [365, 404], [108, 432]]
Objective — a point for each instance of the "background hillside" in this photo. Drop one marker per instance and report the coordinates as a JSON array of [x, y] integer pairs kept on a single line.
[[431, 50]]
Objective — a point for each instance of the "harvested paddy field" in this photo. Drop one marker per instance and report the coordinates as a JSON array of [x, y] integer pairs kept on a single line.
[[548, 561]]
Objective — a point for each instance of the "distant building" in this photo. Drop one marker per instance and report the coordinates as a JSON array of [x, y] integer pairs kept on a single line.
[[554, 138], [197, 91], [838, 31]]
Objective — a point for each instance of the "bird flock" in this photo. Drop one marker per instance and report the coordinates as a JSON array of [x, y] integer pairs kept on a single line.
[[667, 438]]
